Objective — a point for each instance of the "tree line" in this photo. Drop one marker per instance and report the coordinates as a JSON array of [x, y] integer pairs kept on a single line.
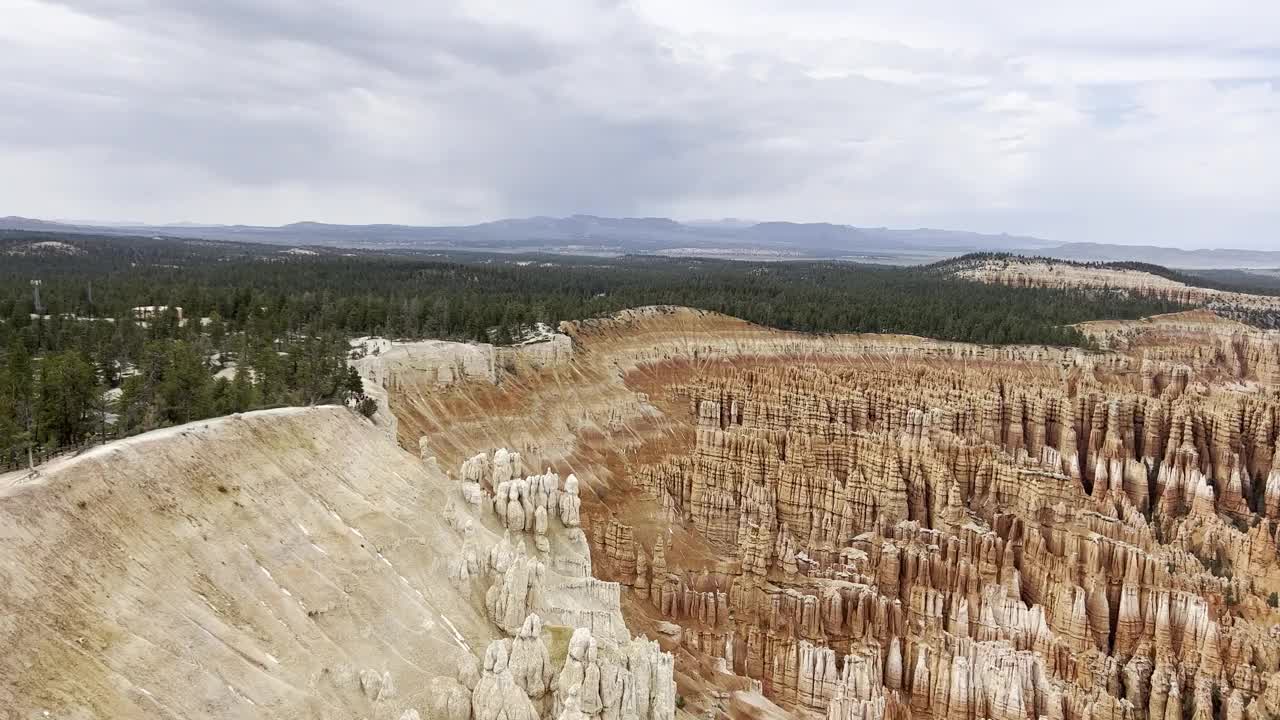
[[89, 364]]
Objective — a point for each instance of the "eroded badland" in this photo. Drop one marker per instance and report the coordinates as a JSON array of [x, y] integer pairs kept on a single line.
[[672, 512]]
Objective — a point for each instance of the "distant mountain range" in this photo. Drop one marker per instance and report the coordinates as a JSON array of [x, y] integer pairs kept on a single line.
[[730, 238]]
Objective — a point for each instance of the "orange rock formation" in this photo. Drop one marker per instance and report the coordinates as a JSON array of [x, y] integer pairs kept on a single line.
[[869, 527]]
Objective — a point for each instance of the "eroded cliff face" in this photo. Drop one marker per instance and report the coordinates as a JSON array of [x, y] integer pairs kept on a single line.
[[1025, 272], [946, 534], [297, 564], [862, 527], [1173, 347]]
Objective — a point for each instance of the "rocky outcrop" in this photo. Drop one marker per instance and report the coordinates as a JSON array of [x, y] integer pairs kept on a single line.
[[399, 365], [518, 590], [631, 680], [605, 674], [497, 695], [530, 659], [570, 505]]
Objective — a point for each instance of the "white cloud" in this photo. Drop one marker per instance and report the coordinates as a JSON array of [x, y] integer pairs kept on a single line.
[[1126, 122]]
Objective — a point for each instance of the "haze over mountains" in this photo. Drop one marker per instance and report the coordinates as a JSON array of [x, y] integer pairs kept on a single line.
[[729, 238]]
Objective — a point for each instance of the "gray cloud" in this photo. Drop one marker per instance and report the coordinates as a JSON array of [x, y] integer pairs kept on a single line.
[[276, 110]]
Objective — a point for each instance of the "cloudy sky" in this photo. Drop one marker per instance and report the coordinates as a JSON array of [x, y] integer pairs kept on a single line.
[[1130, 121]]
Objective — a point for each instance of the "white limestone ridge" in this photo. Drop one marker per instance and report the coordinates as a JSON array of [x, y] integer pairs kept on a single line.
[[388, 366], [536, 593]]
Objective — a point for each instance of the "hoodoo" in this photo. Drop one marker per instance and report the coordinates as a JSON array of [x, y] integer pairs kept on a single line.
[[686, 514], [873, 526]]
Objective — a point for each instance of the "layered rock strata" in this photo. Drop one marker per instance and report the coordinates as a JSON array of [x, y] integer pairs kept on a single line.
[[870, 525], [926, 541]]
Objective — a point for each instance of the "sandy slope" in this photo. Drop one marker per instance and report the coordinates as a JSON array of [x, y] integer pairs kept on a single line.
[[250, 566]]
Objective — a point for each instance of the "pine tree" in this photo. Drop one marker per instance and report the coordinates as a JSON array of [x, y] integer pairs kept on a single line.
[[186, 389], [354, 384], [66, 400], [243, 393]]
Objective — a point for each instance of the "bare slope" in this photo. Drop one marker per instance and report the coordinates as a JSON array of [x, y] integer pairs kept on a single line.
[[252, 566]]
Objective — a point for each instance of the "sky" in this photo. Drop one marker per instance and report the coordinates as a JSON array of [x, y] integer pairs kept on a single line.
[[1128, 121]]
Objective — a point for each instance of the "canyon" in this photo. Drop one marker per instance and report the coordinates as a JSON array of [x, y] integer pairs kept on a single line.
[[869, 526], [674, 513]]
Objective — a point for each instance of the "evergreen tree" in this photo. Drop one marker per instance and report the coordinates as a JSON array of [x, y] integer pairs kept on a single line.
[[67, 398], [186, 386], [217, 330], [135, 406], [19, 390], [243, 394], [354, 384]]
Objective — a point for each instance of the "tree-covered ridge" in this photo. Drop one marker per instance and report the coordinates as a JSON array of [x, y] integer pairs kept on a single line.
[[90, 363]]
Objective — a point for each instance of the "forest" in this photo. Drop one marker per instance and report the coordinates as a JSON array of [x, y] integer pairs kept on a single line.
[[138, 333]]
